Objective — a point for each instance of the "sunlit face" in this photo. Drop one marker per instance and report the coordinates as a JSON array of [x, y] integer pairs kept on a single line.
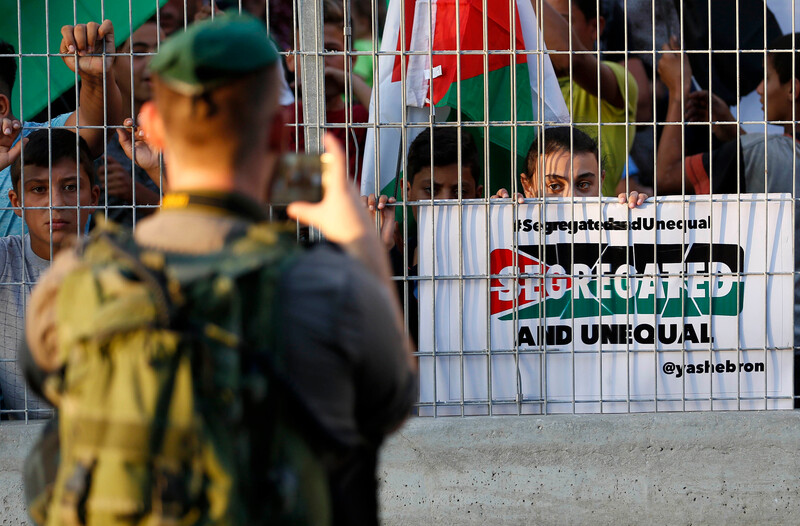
[[583, 180], [445, 184], [59, 218], [778, 96], [143, 41]]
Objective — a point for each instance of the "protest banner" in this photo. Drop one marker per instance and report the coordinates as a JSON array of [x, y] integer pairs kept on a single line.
[[588, 306]]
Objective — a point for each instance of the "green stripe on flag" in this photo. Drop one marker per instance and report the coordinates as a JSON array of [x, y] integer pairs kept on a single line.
[[499, 96], [36, 17]]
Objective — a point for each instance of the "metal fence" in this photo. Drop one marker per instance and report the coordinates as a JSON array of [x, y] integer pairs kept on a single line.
[[504, 297]]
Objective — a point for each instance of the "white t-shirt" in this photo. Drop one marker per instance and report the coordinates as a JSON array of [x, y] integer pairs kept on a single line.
[[20, 269]]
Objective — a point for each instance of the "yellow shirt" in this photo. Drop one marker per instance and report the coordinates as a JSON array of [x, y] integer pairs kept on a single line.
[[613, 146]]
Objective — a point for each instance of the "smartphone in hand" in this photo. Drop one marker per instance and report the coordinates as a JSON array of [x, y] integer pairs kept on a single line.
[[298, 178]]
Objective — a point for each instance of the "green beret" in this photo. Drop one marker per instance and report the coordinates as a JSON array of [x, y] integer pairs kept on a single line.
[[212, 53]]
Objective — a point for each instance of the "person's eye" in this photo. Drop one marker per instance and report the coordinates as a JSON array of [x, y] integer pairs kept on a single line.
[[71, 187], [38, 190], [554, 187], [584, 185]]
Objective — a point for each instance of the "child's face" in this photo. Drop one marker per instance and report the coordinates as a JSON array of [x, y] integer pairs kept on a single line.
[[778, 96], [57, 223], [583, 181], [445, 184]]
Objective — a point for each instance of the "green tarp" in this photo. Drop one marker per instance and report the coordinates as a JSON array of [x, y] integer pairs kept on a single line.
[[34, 27]]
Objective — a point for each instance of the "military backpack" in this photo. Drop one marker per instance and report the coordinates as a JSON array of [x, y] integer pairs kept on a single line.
[[173, 403]]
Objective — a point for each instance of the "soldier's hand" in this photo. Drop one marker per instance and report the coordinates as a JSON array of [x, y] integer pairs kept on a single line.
[[340, 216], [87, 43]]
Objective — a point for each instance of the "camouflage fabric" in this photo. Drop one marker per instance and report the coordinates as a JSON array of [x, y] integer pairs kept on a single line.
[[173, 406]]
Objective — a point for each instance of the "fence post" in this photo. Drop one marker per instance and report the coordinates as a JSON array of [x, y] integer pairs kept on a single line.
[[309, 13]]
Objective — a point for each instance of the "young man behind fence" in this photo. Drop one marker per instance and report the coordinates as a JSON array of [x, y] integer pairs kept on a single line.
[[439, 167], [119, 180]]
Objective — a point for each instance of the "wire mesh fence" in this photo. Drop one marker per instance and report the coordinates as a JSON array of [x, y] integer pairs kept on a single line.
[[512, 142]]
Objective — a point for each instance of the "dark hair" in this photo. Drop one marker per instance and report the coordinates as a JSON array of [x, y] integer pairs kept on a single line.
[[782, 61], [588, 8], [46, 146], [558, 139], [8, 69], [445, 151]]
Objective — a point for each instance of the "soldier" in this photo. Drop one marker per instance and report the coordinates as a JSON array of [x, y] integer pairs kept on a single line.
[[281, 364]]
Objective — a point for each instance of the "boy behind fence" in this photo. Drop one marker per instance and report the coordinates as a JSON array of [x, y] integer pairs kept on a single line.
[[435, 171], [564, 162], [54, 190]]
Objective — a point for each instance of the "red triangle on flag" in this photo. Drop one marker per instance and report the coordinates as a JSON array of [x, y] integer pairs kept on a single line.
[[528, 290]]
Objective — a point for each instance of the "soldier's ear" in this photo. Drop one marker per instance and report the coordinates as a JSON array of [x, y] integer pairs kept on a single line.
[[152, 124]]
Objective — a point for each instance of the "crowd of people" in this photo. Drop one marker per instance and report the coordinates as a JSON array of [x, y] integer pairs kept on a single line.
[[629, 139]]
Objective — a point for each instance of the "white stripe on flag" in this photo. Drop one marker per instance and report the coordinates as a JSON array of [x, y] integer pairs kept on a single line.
[[555, 109]]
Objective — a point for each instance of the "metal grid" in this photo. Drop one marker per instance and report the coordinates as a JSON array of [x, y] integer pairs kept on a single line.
[[307, 48]]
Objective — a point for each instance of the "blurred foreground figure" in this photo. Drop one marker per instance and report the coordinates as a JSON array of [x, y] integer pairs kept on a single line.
[[206, 368]]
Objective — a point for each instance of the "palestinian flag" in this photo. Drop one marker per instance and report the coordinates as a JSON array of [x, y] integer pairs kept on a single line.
[[452, 77]]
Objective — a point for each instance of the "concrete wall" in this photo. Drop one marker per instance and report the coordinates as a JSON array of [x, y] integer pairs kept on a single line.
[[732, 468], [15, 441]]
